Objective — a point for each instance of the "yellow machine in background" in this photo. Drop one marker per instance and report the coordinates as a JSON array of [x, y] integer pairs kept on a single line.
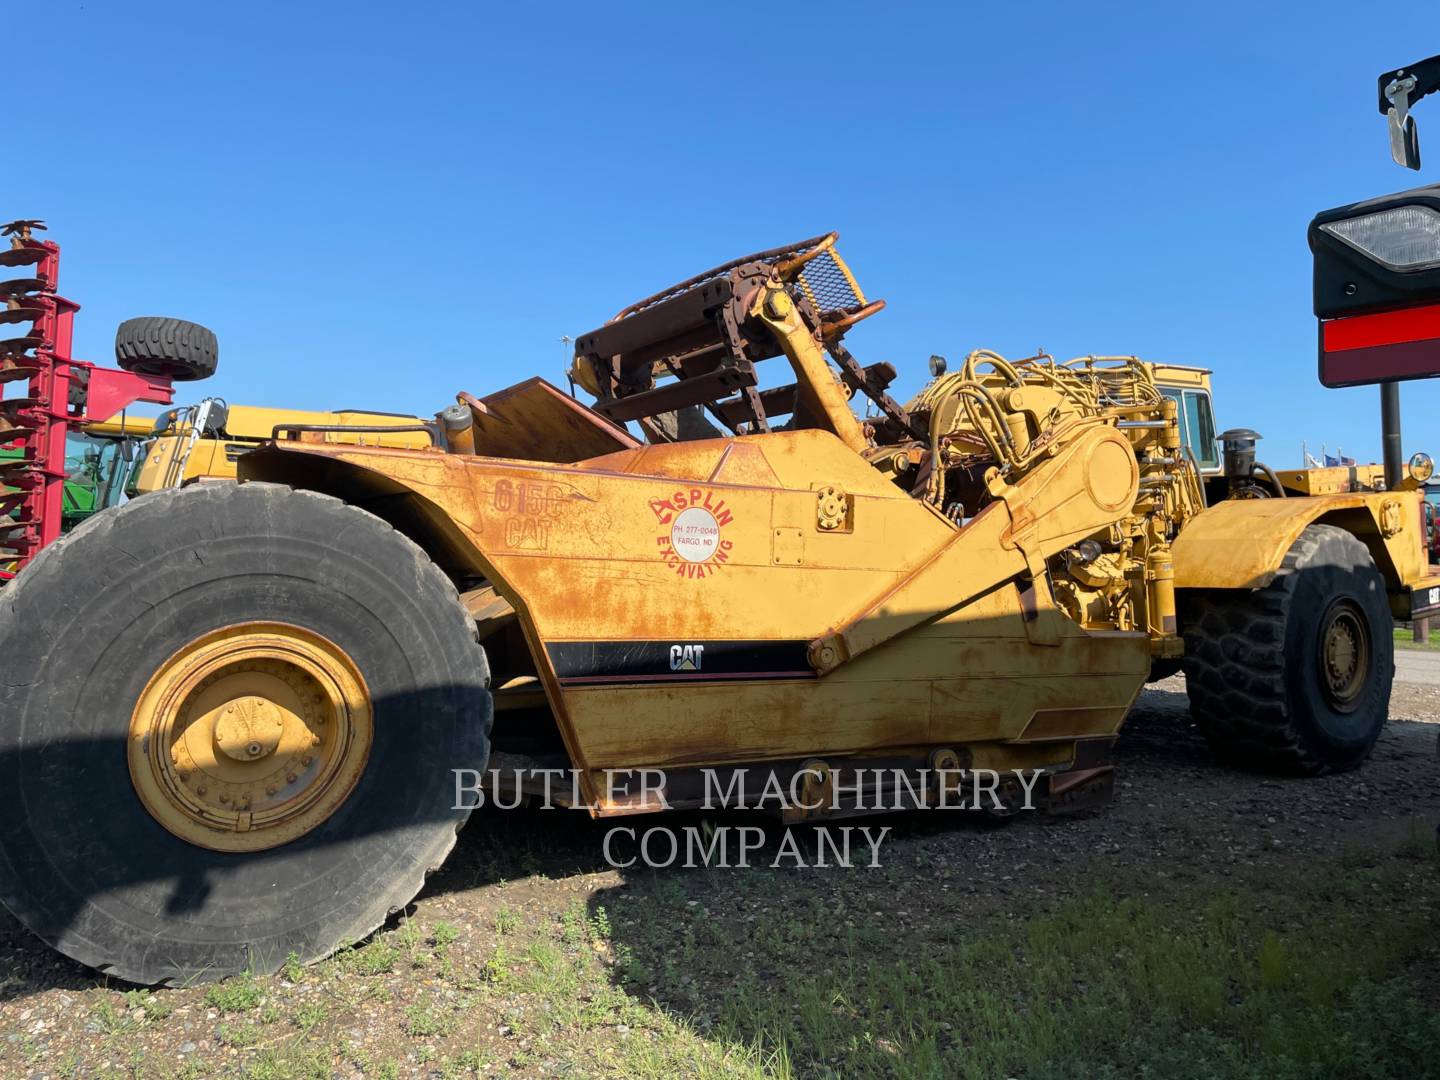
[[108, 461], [766, 585], [204, 441]]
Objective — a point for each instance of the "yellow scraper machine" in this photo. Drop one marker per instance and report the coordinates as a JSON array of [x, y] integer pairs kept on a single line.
[[267, 687]]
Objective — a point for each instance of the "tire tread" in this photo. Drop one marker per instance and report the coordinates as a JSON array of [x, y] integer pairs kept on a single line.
[[1235, 663]]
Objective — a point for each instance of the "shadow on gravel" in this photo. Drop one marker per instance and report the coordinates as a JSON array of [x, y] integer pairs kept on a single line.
[[515, 845], [1159, 729]]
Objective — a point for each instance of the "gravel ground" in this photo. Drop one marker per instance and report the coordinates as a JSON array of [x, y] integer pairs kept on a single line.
[[1175, 809]]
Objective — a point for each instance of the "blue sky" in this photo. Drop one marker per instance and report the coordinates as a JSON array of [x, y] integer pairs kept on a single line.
[[377, 205]]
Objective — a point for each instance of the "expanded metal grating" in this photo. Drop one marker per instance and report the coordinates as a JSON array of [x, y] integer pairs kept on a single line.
[[771, 256], [823, 281]]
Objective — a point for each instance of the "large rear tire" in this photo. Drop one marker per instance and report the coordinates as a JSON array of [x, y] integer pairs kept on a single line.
[[227, 728], [1295, 677]]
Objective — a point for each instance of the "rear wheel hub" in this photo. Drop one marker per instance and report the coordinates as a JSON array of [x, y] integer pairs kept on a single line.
[[250, 736]]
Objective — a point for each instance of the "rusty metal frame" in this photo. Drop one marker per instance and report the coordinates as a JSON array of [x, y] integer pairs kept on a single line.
[[702, 332]]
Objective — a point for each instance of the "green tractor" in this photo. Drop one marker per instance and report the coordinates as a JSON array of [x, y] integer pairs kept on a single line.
[[98, 461]]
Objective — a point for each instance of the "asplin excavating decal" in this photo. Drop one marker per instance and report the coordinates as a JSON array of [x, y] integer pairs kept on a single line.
[[692, 531]]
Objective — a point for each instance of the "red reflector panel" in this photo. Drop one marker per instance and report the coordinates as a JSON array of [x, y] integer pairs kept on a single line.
[[1387, 328], [1380, 348]]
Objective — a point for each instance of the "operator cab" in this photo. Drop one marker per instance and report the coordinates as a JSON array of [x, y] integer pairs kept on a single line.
[[1189, 388]]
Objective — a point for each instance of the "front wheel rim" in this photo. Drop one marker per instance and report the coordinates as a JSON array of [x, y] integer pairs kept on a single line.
[[1345, 654]]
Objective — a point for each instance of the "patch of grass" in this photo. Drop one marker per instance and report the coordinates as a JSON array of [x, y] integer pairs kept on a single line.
[[294, 970], [155, 1008], [110, 1018], [239, 1034], [409, 937], [496, 970], [506, 921], [293, 1063], [444, 934], [472, 1061], [574, 927], [238, 994], [377, 958], [600, 926], [1304, 975], [309, 1015], [426, 1019], [1277, 969], [1405, 639], [1421, 841]]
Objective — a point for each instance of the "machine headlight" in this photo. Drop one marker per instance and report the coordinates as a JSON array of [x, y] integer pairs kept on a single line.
[[1403, 237], [1421, 467]]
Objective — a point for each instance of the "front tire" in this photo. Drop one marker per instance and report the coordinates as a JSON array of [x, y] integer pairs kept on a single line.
[[227, 728], [1295, 677]]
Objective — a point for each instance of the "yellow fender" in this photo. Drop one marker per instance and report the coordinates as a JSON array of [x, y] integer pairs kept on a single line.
[[1239, 544]]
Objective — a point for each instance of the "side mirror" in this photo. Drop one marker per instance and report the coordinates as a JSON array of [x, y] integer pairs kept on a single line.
[[1404, 140], [1399, 91]]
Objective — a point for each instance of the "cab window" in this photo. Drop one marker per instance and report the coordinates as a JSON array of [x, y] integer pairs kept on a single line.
[[1197, 425], [95, 470]]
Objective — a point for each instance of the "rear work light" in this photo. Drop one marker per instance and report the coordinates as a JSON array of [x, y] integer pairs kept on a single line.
[[1405, 238], [1377, 288]]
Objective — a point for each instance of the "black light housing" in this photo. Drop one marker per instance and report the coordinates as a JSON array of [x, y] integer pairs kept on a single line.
[[1348, 281], [1377, 288]]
